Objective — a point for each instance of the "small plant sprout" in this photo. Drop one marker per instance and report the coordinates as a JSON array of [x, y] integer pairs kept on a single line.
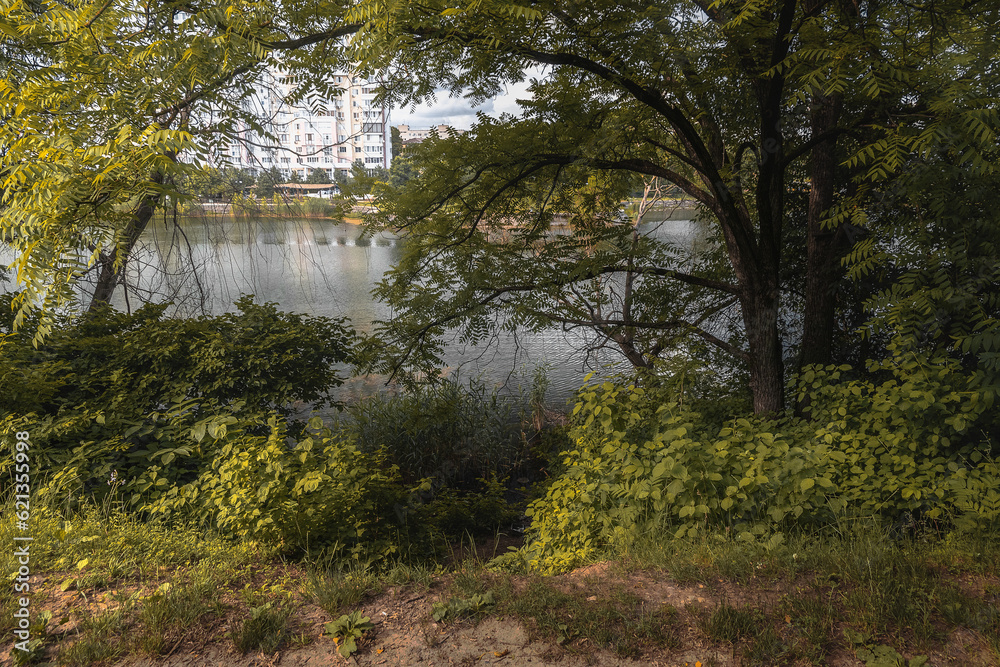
[[347, 630]]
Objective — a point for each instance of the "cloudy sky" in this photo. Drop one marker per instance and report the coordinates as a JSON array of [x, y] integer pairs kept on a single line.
[[457, 112]]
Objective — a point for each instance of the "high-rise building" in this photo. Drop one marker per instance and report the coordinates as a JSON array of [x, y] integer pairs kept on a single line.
[[329, 134]]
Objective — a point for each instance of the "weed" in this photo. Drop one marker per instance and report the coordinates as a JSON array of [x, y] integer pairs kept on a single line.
[[402, 574], [731, 624], [813, 614], [457, 607], [766, 648], [621, 623], [100, 638], [264, 630], [36, 646], [347, 630], [172, 610], [335, 591]]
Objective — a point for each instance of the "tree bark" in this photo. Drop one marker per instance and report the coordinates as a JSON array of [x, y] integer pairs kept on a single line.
[[109, 276], [822, 259]]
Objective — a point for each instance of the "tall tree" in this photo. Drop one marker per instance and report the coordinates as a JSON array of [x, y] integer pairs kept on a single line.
[[737, 103], [108, 105]]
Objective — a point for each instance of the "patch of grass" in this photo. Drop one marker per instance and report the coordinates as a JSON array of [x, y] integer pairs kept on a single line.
[[101, 546], [732, 624], [265, 630], [812, 614], [403, 574], [168, 616], [766, 648], [100, 638], [335, 591], [622, 622]]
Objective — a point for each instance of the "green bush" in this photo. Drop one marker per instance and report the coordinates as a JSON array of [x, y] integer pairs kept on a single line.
[[131, 396], [319, 492], [448, 432], [906, 449]]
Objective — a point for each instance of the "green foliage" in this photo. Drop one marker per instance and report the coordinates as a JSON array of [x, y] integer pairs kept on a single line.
[[85, 164], [459, 607], [936, 280], [321, 491], [318, 176], [117, 362], [265, 629], [266, 180], [879, 655], [133, 396], [347, 630], [905, 450], [445, 431]]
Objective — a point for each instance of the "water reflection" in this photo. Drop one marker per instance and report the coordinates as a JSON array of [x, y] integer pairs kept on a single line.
[[327, 268]]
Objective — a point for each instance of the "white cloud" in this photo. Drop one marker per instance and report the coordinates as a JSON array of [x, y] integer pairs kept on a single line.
[[457, 112]]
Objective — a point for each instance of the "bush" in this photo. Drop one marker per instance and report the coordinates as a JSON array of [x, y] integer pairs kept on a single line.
[[903, 450], [134, 394], [321, 491], [446, 432]]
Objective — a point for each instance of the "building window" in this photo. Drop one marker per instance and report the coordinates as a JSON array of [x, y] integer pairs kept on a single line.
[[309, 138], [296, 138], [343, 149], [312, 159]]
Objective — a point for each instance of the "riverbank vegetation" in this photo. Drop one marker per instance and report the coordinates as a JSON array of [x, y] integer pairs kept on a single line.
[[803, 468], [196, 499]]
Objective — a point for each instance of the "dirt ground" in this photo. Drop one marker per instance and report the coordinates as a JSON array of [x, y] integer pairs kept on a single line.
[[405, 634]]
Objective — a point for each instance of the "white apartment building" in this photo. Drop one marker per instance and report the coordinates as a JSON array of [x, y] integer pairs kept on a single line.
[[326, 134], [419, 134]]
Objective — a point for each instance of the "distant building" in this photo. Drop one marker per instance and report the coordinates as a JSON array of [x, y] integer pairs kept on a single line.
[[323, 191], [328, 134], [417, 135]]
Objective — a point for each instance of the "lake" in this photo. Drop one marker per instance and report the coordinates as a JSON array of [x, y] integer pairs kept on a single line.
[[324, 267]]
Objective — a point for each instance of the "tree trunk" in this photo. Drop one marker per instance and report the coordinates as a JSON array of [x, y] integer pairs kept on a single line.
[[759, 304], [110, 276], [822, 261]]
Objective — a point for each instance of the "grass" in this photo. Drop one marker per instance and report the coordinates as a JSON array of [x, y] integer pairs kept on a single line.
[[731, 624], [335, 592], [161, 590], [619, 621], [265, 630]]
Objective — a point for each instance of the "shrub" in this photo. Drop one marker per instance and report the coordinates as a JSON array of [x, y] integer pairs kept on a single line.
[[444, 431], [133, 394], [900, 450], [321, 491]]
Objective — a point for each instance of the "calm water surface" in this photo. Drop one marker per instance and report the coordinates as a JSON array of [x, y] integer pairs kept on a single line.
[[322, 267]]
